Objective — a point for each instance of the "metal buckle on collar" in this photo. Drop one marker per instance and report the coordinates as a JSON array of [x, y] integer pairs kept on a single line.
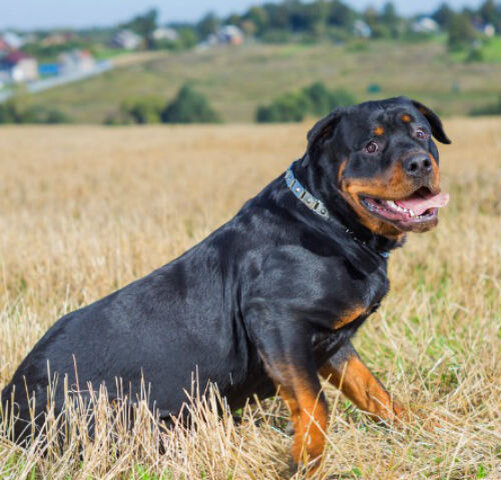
[[303, 195]]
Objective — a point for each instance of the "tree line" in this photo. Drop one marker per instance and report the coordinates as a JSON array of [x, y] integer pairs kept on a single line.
[[331, 19]]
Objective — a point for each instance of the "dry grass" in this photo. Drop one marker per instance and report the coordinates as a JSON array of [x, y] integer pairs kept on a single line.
[[85, 210]]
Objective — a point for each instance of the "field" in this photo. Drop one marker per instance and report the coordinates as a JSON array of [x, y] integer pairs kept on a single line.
[[236, 79], [85, 210]]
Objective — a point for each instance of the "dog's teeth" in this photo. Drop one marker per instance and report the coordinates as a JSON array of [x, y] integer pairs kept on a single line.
[[392, 204], [411, 213]]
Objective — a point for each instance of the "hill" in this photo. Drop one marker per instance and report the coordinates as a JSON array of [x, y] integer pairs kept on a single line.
[[237, 79]]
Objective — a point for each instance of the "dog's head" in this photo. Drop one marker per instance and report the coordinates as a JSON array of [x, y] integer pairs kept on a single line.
[[381, 158]]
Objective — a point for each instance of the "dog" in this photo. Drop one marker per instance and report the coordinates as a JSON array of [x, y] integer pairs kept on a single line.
[[271, 299]]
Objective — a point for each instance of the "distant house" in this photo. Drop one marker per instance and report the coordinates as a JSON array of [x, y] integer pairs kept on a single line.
[[226, 35], [425, 25], [165, 33], [11, 40], [55, 39], [4, 47], [489, 30], [486, 29], [230, 35], [126, 39], [361, 29], [76, 61], [19, 67]]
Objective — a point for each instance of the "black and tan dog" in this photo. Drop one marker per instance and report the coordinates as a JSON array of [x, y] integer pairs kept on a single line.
[[272, 298]]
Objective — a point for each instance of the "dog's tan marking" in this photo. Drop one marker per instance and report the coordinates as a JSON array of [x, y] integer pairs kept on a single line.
[[348, 317], [358, 383]]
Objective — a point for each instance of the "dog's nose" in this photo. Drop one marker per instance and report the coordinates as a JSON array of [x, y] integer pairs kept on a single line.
[[418, 165]]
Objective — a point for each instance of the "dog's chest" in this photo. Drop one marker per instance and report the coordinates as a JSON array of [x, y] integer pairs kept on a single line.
[[359, 298]]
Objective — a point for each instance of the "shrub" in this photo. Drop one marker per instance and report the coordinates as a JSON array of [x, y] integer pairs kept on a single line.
[[39, 114], [319, 97], [56, 116], [474, 55], [290, 107], [15, 110], [10, 111], [118, 118], [461, 32], [142, 110], [492, 109], [189, 106], [315, 99], [322, 100]]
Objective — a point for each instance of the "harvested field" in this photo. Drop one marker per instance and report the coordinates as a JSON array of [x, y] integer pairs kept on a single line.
[[85, 210]]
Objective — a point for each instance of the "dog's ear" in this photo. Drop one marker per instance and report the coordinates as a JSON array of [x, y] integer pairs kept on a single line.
[[437, 128], [321, 131]]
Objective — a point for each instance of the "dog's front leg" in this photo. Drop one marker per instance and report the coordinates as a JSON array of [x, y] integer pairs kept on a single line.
[[346, 371], [288, 358]]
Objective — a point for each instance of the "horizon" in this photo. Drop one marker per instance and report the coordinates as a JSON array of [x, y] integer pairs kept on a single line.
[[59, 14]]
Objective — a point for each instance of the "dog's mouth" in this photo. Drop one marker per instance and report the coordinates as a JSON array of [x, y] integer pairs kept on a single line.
[[420, 207]]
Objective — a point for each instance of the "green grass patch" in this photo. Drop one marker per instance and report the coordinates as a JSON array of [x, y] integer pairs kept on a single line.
[[237, 80]]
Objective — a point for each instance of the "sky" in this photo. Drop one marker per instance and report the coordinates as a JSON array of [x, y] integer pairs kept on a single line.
[[28, 14]]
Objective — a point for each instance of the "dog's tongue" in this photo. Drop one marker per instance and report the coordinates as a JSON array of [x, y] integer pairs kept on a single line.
[[419, 204]]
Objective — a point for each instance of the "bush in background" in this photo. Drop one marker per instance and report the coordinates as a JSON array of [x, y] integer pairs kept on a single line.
[[322, 100], [143, 110], [290, 107], [188, 106], [492, 109], [315, 99], [16, 110], [461, 32]]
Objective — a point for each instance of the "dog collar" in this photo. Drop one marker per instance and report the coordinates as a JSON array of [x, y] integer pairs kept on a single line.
[[313, 203]]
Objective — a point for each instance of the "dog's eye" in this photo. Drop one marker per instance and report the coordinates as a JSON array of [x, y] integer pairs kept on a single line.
[[422, 134], [371, 147]]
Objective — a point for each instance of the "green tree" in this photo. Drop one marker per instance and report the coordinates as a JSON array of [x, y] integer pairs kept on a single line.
[[443, 15], [390, 19], [278, 15], [317, 13], [10, 111], [491, 13], [144, 25], [142, 110], [289, 107], [17, 110], [187, 37], [39, 114], [340, 15], [233, 19], [490, 109], [315, 99], [322, 100], [189, 106], [461, 32], [208, 25], [259, 17]]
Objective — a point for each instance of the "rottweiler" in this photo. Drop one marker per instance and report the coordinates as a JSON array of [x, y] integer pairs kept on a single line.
[[271, 299]]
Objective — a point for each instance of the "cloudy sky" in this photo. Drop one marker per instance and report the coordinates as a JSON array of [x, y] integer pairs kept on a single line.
[[25, 14]]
